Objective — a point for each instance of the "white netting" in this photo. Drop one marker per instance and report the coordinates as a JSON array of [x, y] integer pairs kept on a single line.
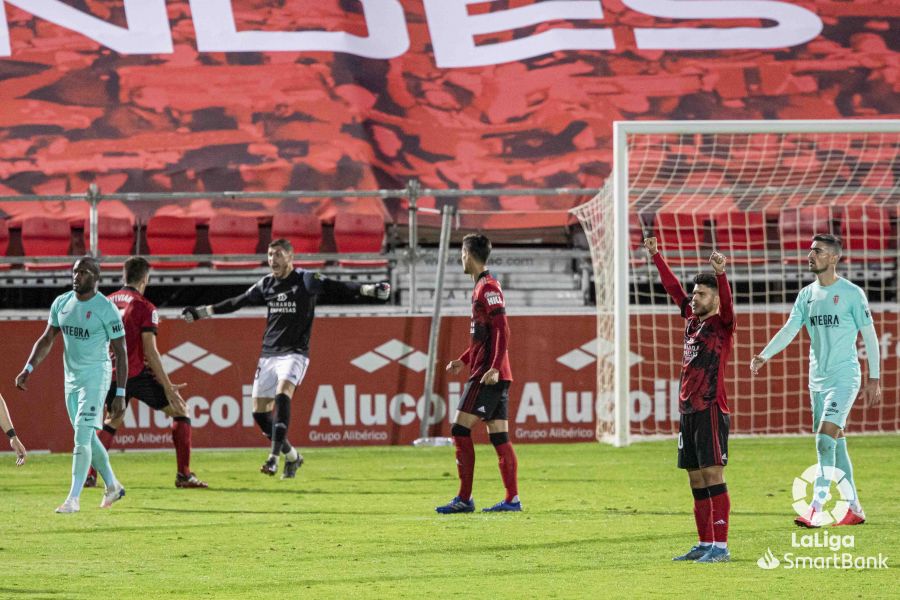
[[759, 199]]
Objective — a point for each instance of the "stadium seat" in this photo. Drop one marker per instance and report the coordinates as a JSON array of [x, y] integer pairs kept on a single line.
[[115, 237], [46, 236], [866, 232], [4, 244], [234, 234], [303, 231], [359, 233], [169, 236], [680, 235], [796, 228], [741, 236]]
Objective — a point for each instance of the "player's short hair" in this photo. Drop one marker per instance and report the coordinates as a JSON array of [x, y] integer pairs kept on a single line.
[[707, 279], [135, 269], [834, 242], [90, 263], [477, 245], [283, 244]]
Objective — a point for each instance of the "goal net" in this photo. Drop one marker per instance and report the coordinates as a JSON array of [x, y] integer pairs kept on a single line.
[[757, 192]]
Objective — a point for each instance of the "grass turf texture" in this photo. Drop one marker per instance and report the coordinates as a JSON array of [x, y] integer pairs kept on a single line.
[[360, 523]]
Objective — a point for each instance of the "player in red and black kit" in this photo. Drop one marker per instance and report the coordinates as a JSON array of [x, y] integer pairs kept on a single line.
[[486, 394], [147, 380], [703, 434]]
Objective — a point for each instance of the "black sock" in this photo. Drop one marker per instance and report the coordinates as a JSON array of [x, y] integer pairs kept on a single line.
[[282, 421], [264, 422]]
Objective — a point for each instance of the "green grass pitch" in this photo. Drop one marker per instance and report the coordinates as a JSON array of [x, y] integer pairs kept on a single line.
[[599, 522]]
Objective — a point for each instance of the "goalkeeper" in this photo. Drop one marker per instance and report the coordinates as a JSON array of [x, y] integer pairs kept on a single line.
[[290, 296], [834, 312]]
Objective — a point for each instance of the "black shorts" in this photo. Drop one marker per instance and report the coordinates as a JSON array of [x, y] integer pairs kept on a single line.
[[145, 388], [488, 402], [703, 439]]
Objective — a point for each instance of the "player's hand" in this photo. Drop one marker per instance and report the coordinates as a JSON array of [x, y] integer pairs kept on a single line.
[[650, 245], [455, 366], [490, 377], [717, 261], [380, 290], [117, 408], [174, 397], [195, 313], [19, 449], [755, 364], [22, 379], [872, 393]]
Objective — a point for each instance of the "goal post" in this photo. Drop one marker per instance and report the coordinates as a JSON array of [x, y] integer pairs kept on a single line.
[[756, 191]]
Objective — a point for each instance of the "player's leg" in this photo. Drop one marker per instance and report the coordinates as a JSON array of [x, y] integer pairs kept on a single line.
[[465, 464], [712, 427], [290, 371], [107, 434], [494, 400], [688, 460], [837, 408], [264, 384]]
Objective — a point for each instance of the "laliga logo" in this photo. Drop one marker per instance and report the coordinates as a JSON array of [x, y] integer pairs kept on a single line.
[[768, 561], [826, 516]]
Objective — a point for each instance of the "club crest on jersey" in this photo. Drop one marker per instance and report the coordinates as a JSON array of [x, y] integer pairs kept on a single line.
[[836, 298], [281, 298], [88, 315]]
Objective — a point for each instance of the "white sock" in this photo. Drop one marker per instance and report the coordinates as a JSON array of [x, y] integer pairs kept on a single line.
[[271, 456], [722, 545], [704, 544], [292, 455]]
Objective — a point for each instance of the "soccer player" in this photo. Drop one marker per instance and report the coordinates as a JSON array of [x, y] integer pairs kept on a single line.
[[834, 312], [147, 380], [703, 428], [6, 426], [485, 396], [89, 323], [290, 296]]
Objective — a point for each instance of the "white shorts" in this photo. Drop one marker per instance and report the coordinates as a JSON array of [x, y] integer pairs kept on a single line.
[[272, 369]]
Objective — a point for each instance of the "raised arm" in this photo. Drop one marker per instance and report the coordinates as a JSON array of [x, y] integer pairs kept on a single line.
[[230, 305], [321, 285], [669, 281], [726, 301]]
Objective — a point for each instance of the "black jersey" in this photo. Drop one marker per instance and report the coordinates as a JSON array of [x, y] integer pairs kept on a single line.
[[291, 304]]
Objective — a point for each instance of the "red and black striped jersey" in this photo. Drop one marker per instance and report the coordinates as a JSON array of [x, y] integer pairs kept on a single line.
[[707, 344], [488, 346], [139, 315]]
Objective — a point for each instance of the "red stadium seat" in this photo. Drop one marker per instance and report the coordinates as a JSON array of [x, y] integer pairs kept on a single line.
[[866, 232], [46, 236], [115, 237], [796, 228], [358, 233], [680, 235], [234, 234], [171, 235], [303, 231], [4, 244], [741, 236]]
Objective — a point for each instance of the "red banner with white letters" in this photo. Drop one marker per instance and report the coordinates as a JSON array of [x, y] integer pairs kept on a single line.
[[365, 382]]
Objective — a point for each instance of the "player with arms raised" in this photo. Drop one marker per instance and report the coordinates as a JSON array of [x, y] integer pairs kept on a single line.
[[290, 296], [834, 311], [704, 423], [486, 394]]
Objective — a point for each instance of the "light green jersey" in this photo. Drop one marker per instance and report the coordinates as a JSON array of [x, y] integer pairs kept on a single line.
[[833, 316], [87, 327]]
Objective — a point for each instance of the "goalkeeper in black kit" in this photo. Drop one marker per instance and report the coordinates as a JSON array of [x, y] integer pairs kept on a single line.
[[290, 296]]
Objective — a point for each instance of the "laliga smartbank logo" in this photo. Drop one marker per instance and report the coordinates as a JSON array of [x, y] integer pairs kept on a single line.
[[822, 549]]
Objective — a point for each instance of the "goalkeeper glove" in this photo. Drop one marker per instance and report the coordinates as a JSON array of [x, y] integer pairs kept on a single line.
[[380, 290], [195, 313]]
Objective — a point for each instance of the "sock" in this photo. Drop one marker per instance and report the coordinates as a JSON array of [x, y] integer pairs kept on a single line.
[[703, 516], [508, 463], [100, 461], [291, 455], [181, 439], [825, 447], [721, 506], [264, 422], [465, 459], [107, 437], [282, 421], [842, 462]]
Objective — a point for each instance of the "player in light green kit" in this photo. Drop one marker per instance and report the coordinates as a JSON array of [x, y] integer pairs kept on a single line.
[[834, 312], [89, 323]]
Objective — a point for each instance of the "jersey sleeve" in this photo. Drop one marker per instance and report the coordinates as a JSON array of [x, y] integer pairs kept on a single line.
[[252, 296], [862, 316], [319, 285], [672, 285], [726, 301], [790, 329], [53, 319], [149, 318], [493, 300], [112, 322]]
